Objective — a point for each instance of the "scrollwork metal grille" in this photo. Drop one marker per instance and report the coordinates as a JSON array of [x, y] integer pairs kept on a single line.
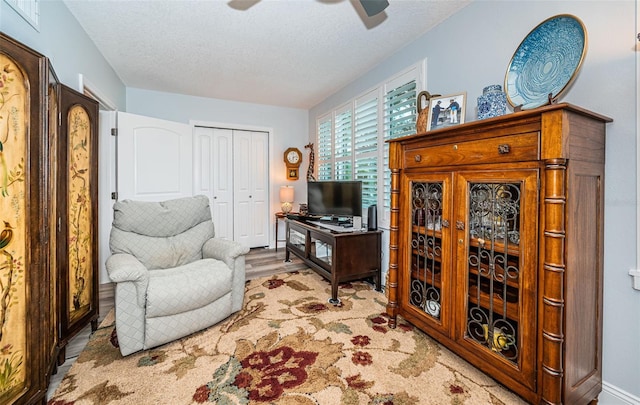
[[426, 247], [494, 266]]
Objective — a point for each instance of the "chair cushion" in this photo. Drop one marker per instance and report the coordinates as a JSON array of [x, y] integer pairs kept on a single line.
[[161, 219], [185, 288], [162, 253], [162, 234]]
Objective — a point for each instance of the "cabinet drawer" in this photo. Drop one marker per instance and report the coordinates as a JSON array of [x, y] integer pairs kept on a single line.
[[512, 148]]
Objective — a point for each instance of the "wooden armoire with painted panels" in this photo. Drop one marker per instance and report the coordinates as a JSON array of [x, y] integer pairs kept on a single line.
[[496, 246], [75, 151], [30, 203]]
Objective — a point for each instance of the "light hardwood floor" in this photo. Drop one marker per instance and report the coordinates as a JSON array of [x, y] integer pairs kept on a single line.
[[260, 262]]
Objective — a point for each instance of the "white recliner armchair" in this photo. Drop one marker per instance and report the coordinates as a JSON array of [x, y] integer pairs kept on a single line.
[[172, 276]]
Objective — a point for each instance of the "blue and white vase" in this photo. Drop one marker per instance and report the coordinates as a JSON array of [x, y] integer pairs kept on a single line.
[[492, 102]]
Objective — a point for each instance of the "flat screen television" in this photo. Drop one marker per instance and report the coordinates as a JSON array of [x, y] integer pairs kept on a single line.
[[334, 198]]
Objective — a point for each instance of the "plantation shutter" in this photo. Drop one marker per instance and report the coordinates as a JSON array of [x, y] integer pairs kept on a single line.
[[343, 145], [324, 154], [399, 120], [366, 147]]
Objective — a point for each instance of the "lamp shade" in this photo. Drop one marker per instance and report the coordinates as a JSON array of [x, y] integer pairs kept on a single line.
[[286, 198], [286, 194]]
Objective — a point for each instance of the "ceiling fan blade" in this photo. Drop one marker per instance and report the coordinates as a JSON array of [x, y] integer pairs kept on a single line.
[[373, 7], [242, 5]]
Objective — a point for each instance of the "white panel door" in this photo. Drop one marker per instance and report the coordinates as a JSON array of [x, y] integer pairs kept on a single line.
[[242, 186], [213, 175], [106, 185], [223, 181], [260, 179], [154, 158], [251, 178]]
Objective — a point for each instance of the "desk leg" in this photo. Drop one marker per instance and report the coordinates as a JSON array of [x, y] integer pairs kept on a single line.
[[334, 300], [287, 257], [276, 234]]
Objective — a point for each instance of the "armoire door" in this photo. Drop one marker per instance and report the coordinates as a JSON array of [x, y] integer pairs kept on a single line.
[[27, 334], [77, 215]]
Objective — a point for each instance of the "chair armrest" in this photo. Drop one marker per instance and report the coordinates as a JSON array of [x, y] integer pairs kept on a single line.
[[223, 249], [125, 267]]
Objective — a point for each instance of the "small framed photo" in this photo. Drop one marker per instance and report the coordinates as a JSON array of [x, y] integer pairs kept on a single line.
[[446, 111]]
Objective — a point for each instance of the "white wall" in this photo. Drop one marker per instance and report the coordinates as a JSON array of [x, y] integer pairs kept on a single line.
[[473, 48], [288, 127], [61, 38], [71, 53]]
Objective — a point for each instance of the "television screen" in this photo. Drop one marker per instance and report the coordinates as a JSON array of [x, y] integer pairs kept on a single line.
[[334, 198]]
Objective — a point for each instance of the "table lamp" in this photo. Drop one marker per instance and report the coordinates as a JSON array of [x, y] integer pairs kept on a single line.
[[286, 198]]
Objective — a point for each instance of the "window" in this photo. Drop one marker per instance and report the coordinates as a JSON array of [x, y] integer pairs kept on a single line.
[[351, 139], [28, 9]]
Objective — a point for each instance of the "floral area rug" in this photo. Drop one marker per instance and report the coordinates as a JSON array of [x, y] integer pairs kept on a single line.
[[288, 345]]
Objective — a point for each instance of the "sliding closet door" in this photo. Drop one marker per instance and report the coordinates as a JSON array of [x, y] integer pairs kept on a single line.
[[213, 175], [231, 167], [251, 187]]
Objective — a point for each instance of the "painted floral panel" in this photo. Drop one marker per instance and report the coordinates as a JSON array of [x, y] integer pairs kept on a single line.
[[14, 119], [79, 213]]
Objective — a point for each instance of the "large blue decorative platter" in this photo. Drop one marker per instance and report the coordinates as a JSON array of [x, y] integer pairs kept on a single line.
[[546, 62]]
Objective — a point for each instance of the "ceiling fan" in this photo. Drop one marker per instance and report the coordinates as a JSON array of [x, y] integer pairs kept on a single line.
[[371, 7]]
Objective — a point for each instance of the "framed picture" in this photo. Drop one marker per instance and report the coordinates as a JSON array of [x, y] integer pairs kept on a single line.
[[446, 111]]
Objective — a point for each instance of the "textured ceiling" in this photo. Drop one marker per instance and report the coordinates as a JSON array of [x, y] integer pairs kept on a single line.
[[290, 53]]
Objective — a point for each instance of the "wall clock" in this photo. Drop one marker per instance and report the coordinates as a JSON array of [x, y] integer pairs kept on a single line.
[[292, 160]]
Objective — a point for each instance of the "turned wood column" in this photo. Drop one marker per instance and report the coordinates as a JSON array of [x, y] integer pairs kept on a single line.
[[553, 298], [392, 276]]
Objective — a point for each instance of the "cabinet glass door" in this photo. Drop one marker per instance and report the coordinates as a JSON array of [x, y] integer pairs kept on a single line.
[[494, 266], [427, 286], [296, 238], [321, 252], [499, 277]]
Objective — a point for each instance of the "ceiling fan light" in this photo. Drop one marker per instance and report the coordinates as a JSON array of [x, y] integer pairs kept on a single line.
[[373, 7]]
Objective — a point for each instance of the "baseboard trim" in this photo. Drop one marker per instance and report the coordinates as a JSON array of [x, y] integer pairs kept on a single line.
[[612, 395]]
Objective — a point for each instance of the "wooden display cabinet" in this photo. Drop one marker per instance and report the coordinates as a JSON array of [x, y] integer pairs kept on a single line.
[[496, 246]]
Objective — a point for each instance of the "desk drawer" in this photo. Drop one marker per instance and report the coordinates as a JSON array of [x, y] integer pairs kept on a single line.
[[512, 148]]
